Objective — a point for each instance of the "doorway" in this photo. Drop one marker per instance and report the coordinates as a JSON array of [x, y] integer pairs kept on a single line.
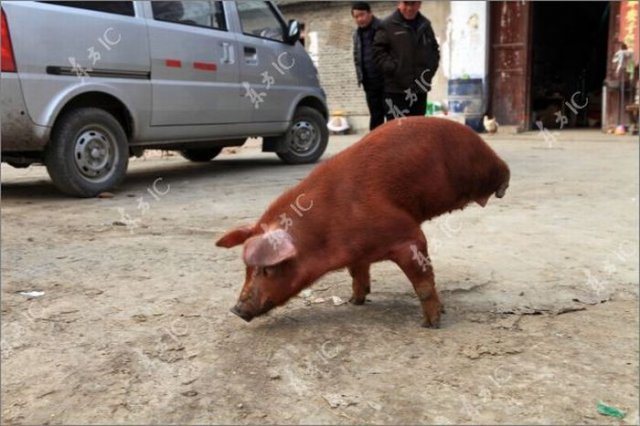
[[568, 63]]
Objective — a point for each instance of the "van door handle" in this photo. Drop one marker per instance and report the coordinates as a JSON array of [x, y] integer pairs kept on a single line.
[[251, 55], [227, 53]]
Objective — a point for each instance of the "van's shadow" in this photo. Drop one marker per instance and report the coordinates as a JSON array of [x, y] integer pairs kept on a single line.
[[139, 177]]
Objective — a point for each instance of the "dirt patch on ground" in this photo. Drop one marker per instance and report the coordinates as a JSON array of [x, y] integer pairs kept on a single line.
[[133, 326]]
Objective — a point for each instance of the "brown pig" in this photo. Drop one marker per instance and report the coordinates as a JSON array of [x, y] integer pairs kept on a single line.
[[365, 205]]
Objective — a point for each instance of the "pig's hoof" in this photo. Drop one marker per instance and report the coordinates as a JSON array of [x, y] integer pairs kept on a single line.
[[431, 324], [432, 315], [357, 300]]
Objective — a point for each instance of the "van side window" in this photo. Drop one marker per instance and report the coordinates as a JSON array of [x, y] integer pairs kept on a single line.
[[258, 19], [201, 13], [116, 7]]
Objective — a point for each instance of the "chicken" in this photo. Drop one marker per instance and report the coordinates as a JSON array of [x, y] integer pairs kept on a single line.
[[490, 124]]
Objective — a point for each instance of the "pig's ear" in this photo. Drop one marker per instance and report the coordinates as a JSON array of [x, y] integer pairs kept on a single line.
[[235, 237], [269, 249]]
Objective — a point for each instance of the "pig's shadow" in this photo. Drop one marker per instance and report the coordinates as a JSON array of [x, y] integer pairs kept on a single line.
[[386, 310]]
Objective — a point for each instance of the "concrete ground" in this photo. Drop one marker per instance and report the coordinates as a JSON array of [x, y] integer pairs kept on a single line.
[[541, 290]]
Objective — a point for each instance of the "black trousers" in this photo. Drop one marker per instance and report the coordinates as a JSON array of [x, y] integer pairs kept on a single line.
[[399, 105], [375, 102]]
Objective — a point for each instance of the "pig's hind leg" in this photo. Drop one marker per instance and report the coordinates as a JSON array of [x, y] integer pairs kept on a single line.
[[413, 259], [361, 282]]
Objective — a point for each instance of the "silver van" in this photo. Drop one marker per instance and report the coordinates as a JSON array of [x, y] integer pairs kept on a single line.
[[85, 85]]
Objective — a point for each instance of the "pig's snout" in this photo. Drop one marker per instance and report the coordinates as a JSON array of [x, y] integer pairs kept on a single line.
[[240, 311], [502, 190], [247, 312]]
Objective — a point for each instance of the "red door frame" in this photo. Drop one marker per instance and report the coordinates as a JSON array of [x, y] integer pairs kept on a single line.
[[510, 67]]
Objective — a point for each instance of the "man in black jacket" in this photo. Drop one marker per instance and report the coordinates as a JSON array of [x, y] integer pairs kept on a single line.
[[407, 52], [369, 76]]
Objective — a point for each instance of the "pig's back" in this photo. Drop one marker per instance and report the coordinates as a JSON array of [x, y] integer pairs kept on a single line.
[[426, 166], [419, 142]]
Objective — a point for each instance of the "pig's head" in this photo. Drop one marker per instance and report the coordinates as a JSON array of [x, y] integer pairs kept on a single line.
[[271, 269]]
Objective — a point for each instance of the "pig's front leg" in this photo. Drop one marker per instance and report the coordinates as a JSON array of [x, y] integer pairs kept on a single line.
[[413, 259], [361, 282]]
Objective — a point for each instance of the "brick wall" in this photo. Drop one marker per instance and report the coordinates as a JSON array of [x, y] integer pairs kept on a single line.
[[334, 25]]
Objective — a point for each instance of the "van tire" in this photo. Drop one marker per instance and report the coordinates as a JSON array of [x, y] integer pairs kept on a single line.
[[200, 155], [88, 152], [306, 139]]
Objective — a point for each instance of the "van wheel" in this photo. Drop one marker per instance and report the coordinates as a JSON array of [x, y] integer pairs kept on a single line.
[[200, 155], [87, 153], [306, 139]]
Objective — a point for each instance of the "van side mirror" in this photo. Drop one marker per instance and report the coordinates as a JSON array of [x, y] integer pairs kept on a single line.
[[293, 32]]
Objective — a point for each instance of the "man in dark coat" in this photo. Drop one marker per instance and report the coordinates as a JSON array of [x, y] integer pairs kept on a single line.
[[407, 52], [369, 76]]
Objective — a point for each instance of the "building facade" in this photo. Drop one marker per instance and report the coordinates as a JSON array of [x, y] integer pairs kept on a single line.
[[328, 39], [530, 64]]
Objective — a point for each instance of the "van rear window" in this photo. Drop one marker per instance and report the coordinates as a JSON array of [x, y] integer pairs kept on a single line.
[[116, 7]]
